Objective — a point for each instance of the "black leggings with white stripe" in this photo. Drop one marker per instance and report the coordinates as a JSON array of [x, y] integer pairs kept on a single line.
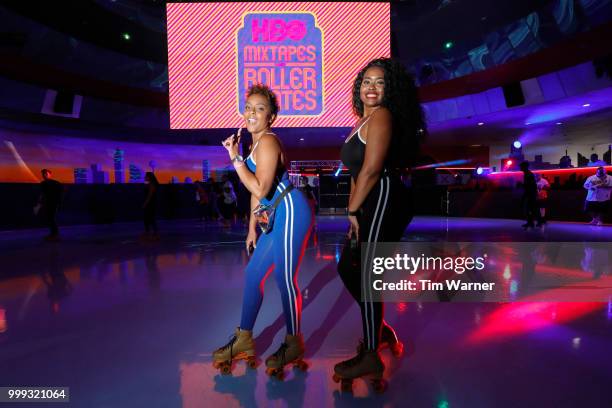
[[387, 211]]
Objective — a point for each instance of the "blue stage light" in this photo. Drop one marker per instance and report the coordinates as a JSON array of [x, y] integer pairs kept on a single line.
[[517, 144]]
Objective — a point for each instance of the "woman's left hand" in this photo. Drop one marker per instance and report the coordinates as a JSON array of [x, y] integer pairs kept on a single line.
[[232, 144], [354, 227]]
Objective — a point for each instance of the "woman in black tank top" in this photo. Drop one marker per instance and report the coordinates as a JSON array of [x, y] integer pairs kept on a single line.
[[384, 141]]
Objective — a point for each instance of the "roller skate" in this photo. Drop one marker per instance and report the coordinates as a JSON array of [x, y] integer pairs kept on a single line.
[[240, 347], [366, 363], [291, 351]]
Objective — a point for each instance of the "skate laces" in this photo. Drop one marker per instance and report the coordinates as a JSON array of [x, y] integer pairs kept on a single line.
[[282, 350], [230, 344]]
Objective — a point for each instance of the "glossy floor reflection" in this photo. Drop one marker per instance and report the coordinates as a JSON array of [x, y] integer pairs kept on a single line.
[[125, 323]]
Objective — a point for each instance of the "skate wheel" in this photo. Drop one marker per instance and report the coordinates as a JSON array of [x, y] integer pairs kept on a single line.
[[252, 362], [346, 385], [302, 365], [277, 373], [226, 369], [379, 386]]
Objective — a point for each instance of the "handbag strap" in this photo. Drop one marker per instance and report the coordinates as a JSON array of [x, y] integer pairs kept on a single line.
[[282, 195]]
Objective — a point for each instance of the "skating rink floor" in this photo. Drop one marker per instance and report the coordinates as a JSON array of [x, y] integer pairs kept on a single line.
[[126, 323]]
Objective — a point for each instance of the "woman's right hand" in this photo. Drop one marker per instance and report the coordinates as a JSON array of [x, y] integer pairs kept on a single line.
[[251, 240], [353, 231]]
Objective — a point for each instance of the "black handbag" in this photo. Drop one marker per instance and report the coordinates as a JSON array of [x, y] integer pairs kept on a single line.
[[264, 214]]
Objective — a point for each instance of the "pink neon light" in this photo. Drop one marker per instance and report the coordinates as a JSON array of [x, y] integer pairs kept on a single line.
[[558, 171], [515, 319], [460, 168]]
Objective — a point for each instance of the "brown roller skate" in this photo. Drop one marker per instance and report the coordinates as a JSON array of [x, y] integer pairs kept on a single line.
[[240, 347], [366, 363], [289, 352]]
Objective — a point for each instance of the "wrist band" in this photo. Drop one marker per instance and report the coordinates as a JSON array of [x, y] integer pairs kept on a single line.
[[354, 213]]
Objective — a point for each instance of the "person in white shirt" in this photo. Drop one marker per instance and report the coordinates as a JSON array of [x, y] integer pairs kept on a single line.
[[228, 202], [599, 187], [542, 197]]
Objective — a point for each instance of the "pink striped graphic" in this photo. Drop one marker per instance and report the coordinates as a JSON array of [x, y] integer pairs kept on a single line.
[[202, 66]]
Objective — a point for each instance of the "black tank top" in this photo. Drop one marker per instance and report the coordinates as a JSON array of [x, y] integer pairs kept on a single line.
[[352, 154]]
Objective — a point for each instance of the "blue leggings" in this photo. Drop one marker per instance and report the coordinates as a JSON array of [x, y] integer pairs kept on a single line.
[[280, 250]]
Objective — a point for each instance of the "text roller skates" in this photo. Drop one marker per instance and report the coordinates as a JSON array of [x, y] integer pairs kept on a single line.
[[290, 352], [240, 347], [366, 364]]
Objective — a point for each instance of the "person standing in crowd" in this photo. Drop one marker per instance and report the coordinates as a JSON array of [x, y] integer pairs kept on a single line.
[[228, 201], [530, 195], [285, 220], [48, 203], [150, 206], [309, 192], [202, 201], [595, 162], [598, 188], [542, 197], [385, 139]]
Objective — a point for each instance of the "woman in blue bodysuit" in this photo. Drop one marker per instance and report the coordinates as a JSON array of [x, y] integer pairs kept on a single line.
[[264, 174]]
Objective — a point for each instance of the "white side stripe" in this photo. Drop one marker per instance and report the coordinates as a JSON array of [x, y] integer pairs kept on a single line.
[[367, 299], [376, 223], [291, 270], [292, 319]]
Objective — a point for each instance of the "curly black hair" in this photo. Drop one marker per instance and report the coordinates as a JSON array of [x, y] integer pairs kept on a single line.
[[402, 100], [266, 92]]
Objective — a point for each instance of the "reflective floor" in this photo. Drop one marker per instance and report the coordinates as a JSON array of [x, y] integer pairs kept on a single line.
[[126, 323]]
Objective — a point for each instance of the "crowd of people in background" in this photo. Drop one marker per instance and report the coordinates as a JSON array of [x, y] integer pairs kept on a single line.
[[225, 201], [228, 201], [535, 195]]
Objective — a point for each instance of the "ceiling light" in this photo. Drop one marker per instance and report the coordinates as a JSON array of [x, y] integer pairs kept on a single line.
[[480, 123], [586, 105]]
